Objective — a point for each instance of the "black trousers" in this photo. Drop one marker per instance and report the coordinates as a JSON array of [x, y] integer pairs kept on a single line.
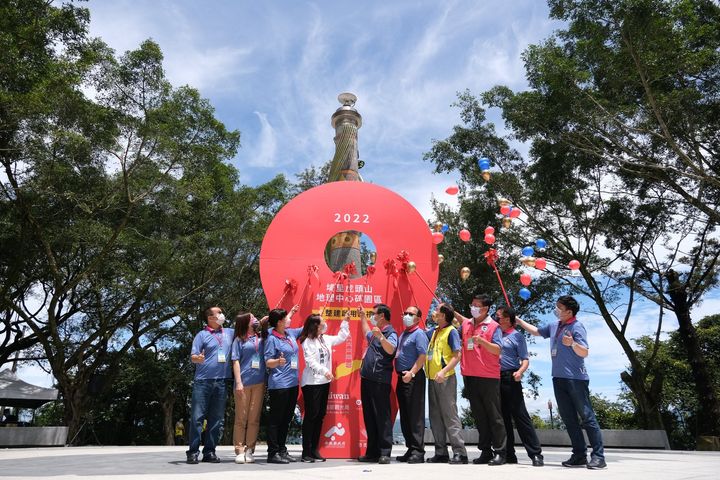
[[411, 401], [375, 397], [484, 395], [316, 400], [282, 408], [513, 409]]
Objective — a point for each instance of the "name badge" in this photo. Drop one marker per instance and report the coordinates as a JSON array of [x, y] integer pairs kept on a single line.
[[430, 354], [470, 344], [293, 363], [553, 352], [255, 362], [221, 356]]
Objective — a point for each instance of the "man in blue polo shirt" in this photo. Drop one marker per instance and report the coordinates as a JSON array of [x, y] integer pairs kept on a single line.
[[210, 353], [568, 349], [410, 388], [375, 378]]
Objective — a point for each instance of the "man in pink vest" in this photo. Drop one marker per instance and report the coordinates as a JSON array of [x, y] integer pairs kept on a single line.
[[480, 367]]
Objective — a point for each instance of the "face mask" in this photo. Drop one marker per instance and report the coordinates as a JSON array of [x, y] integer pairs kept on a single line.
[[254, 323], [474, 311], [557, 312], [408, 320], [220, 319], [323, 327], [373, 320]]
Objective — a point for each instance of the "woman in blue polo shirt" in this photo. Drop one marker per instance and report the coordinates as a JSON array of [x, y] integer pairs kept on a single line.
[[281, 358], [249, 372]]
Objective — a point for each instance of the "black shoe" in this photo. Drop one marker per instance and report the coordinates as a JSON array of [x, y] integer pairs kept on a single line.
[[596, 463], [404, 457], [193, 458], [538, 460], [438, 459], [384, 460], [416, 459], [459, 460], [366, 459], [277, 459], [211, 458], [498, 459], [318, 458], [307, 459], [290, 459], [484, 458], [575, 461], [511, 459]]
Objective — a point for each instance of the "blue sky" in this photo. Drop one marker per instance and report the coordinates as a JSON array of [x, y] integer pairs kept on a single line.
[[273, 70]]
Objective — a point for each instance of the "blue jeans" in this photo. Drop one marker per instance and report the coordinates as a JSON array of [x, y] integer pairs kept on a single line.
[[573, 400], [208, 403]]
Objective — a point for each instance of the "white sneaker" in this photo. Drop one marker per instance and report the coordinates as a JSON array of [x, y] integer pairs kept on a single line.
[[240, 458], [249, 457]]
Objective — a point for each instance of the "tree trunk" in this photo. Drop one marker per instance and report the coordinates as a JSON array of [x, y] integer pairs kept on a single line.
[[708, 402], [168, 407], [648, 399]]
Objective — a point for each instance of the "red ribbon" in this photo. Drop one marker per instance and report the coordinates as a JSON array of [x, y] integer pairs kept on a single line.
[[290, 287], [350, 269], [491, 256]]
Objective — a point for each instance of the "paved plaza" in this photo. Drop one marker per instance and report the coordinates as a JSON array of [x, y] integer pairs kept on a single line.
[[169, 463]]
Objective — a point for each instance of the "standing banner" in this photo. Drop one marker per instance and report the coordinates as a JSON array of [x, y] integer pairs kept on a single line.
[[293, 271]]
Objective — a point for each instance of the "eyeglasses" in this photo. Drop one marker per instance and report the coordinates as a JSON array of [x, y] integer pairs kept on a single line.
[[410, 313]]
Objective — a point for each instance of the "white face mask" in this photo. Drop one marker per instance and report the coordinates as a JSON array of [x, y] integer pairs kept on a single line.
[[373, 320], [474, 311], [408, 320], [323, 327], [557, 312], [220, 319]]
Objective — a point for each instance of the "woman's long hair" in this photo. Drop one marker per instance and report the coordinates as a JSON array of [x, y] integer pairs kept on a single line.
[[311, 327], [242, 326]]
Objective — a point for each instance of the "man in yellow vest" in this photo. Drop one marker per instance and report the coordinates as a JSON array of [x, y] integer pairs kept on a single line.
[[180, 432], [443, 355]]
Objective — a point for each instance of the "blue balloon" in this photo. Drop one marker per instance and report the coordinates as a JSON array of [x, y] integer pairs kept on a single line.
[[445, 228], [540, 243], [484, 163], [527, 251], [525, 293]]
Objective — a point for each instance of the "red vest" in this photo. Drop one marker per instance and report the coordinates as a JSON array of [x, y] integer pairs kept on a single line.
[[478, 362]]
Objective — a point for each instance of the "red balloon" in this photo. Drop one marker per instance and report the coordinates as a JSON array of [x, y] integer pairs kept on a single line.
[[505, 209], [525, 279], [490, 239], [464, 235], [489, 230], [515, 212], [437, 237], [574, 265], [452, 190], [540, 263]]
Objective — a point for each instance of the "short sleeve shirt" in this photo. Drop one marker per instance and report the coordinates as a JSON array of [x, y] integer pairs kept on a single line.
[[217, 346], [410, 346], [514, 350], [565, 362]]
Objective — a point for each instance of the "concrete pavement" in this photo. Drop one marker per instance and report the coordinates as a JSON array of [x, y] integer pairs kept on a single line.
[[157, 462]]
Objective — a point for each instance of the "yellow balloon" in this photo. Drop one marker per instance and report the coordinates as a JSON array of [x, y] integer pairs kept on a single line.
[[486, 175], [507, 222], [441, 258], [503, 201], [438, 226], [464, 273], [410, 267], [528, 261], [373, 257]]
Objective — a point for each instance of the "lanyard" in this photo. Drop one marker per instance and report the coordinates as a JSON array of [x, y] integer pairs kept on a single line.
[[284, 339], [433, 340], [219, 339]]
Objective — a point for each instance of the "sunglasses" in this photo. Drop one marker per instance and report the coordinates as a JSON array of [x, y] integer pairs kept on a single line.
[[410, 313]]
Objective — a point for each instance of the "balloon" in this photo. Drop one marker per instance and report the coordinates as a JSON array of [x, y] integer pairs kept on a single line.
[[465, 273], [528, 251], [515, 212], [464, 235], [484, 163], [525, 293], [489, 230], [486, 175], [528, 261], [574, 265], [525, 279], [505, 209], [410, 267], [452, 190], [445, 228], [503, 201], [507, 222], [441, 258], [490, 239], [437, 237], [540, 243], [540, 263], [373, 257], [438, 226]]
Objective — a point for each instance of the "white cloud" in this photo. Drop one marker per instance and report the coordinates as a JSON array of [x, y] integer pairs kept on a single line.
[[264, 153]]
